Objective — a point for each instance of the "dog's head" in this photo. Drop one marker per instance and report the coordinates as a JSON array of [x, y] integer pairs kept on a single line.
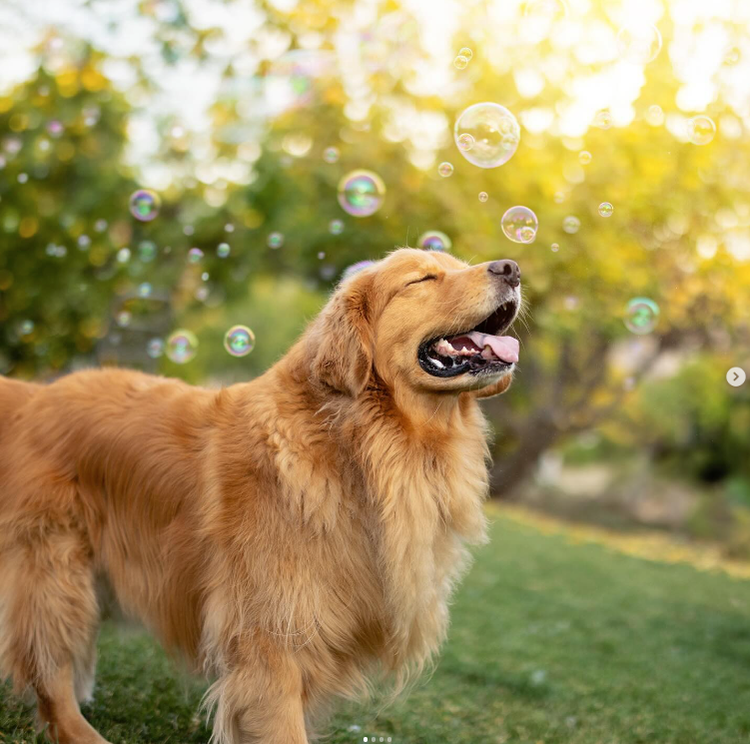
[[423, 319]]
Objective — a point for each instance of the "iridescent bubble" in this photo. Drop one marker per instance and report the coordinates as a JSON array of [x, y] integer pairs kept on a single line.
[[584, 157], [331, 154], [275, 240], [559, 197], [461, 62], [555, 247], [147, 251], [655, 116], [123, 318], [466, 52], [355, 268], [361, 193], [641, 315], [483, 196], [445, 169], [205, 276], [606, 209], [434, 240], [223, 250], [639, 44], [155, 348], [182, 346], [701, 129], [603, 120], [335, 227], [145, 289], [194, 255], [520, 224], [239, 341], [465, 141], [495, 132], [144, 205], [571, 224]]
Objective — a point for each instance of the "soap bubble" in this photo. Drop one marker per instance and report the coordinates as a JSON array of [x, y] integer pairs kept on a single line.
[[239, 341], [655, 116], [147, 250], [555, 247], [182, 346], [584, 157], [100, 226], [223, 250], [639, 44], [123, 318], [466, 52], [195, 255], [701, 129], [155, 348], [445, 169], [520, 224], [331, 154], [465, 141], [606, 209], [641, 315], [275, 240], [483, 196], [571, 224], [434, 240], [603, 120], [361, 193], [335, 227], [321, 255], [144, 205], [355, 268], [145, 289], [461, 62], [84, 242], [123, 255], [495, 134]]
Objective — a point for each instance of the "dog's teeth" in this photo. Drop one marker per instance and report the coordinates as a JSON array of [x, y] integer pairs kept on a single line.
[[437, 363]]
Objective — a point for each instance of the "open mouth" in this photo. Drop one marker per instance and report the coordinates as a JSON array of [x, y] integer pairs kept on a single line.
[[480, 350]]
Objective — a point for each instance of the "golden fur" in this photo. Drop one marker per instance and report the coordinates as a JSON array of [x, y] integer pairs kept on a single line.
[[292, 537]]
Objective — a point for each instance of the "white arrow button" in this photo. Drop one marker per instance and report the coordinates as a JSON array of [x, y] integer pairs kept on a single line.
[[736, 376]]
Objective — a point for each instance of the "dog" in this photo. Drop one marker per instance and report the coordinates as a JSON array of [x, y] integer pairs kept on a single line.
[[295, 538]]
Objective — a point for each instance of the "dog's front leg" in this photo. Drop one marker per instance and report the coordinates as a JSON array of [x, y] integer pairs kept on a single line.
[[260, 701]]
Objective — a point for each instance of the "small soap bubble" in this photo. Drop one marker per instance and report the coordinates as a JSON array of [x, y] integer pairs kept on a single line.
[[483, 196], [559, 197], [434, 240], [361, 193], [147, 251], [355, 268], [84, 242], [205, 276], [144, 205], [223, 250], [520, 224], [555, 247], [466, 52], [123, 255], [641, 315], [239, 341], [275, 240], [229, 227], [331, 154], [194, 255], [606, 209], [321, 255], [445, 169], [100, 226], [584, 157], [655, 116], [26, 328], [701, 129], [639, 44], [123, 318], [182, 346], [603, 120], [571, 224], [145, 289], [494, 131], [155, 348], [22, 177], [335, 227], [461, 62], [465, 141]]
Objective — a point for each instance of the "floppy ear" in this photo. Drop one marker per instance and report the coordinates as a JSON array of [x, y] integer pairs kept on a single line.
[[491, 390], [340, 344]]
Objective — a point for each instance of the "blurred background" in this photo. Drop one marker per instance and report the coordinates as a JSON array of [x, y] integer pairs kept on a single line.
[[171, 169]]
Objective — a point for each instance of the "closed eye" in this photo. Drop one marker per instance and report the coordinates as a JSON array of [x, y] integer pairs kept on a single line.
[[423, 279]]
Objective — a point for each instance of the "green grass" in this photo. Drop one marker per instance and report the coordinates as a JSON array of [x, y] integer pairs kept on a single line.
[[551, 642]]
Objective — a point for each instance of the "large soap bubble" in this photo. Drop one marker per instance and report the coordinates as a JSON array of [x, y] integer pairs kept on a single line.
[[494, 133]]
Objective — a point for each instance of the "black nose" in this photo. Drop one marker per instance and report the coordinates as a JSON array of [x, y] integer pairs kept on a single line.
[[506, 269]]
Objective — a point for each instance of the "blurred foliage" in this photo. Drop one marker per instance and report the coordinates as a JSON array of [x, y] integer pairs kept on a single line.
[[72, 258]]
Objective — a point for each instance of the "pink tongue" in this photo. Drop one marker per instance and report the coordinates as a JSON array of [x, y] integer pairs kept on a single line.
[[503, 347]]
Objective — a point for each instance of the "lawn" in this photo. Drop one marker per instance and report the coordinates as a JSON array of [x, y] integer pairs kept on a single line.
[[553, 640]]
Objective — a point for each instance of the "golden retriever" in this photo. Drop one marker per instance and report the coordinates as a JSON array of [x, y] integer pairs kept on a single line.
[[294, 537]]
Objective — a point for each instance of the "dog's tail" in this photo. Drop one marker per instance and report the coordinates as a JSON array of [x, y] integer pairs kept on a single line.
[[13, 395]]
